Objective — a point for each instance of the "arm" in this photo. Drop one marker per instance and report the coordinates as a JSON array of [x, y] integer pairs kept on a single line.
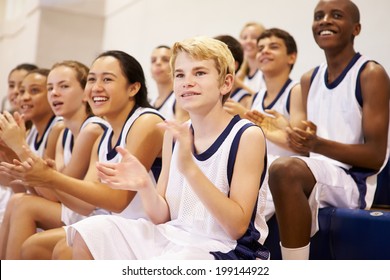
[[79, 163], [144, 141], [234, 212], [117, 176], [375, 87]]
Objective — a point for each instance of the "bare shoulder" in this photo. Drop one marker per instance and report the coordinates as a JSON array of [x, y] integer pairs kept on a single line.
[[251, 135], [305, 80], [374, 78], [146, 122]]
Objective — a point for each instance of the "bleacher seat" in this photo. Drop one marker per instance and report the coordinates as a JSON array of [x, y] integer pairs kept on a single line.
[[348, 234]]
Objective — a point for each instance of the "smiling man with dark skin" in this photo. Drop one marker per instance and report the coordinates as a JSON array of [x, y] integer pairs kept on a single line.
[[346, 133]]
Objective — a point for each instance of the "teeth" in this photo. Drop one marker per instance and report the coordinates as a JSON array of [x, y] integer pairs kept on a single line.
[[25, 106], [188, 94], [326, 32], [57, 103], [99, 99]]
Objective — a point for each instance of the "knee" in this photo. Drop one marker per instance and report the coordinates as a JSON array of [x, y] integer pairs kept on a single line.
[[284, 174], [62, 251], [30, 250]]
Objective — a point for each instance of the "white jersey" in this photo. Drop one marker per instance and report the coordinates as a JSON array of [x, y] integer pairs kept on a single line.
[[68, 216], [167, 108], [39, 147], [189, 213], [68, 139], [336, 109], [255, 82], [107, 153], [239, 94], [192, 233], [281, 104]]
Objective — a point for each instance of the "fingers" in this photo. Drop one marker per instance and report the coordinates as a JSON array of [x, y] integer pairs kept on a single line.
[[274, 113], [106, 169], [126, 155]]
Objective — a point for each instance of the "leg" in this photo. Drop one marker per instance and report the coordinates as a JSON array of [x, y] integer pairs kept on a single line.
[[28, 214], [291, 182], [62, 251], [80, 249], [4, 229], [40, 246]]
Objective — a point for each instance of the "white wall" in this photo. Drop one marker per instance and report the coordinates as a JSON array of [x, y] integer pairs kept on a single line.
[[137, 26]]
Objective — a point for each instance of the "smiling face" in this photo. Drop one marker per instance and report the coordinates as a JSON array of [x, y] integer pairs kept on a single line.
[[107, 89], [65, 93], [15, 79], [335, 23], [196, 84], [248, 40], [273, 56], [33, 97]]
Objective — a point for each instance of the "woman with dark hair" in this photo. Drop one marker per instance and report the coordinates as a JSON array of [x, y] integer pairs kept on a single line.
[[116, 90]]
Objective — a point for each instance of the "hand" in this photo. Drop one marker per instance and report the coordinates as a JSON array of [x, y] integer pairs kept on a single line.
[[31, 171], [129, 174], [12, 130], [235, 108], [269, 123], [303, 141], [184, 141]]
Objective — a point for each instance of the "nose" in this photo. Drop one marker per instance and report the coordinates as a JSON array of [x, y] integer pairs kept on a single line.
[[96, 86], [325, 19], [53, 92], [188, 81]]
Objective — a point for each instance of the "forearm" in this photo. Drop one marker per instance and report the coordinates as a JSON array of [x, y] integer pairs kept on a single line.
[[77, 205], [360, 155], [155, 206], [94, 193]]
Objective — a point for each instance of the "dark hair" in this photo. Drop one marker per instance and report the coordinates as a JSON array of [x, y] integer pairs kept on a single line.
[[133, 72], [24, 66], [41, 71], [281, 34], [234, 46]]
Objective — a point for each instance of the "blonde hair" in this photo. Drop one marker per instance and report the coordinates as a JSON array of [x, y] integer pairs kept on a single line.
[[255, 24], [205, 48]]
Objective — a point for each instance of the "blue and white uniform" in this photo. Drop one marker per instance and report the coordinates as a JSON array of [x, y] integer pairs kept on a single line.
[[336, 109], [281, 104], [68, 216], [38, 147], [255, 82], [107, 153], [238, 94], [192, 232], [167, 108]]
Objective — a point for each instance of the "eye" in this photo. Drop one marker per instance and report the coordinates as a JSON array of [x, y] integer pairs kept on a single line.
[[35, 91], [318, 16], [179, 75], [49, 89], [91, 79], [337, 15], [64, 86], [200, 73], [106, 79]]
